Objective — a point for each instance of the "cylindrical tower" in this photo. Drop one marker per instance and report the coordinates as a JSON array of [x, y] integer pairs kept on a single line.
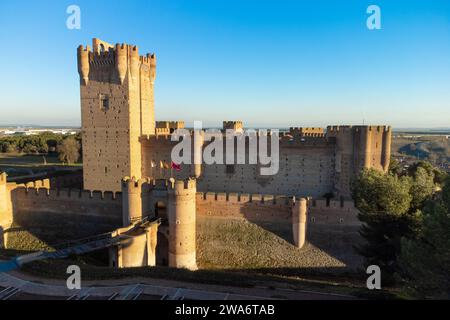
[[366, 146], [152, 58], [197, 154], [386, 155], [299, 212], [131, 200], [181, 216], [83, 64], [134, 63], [121, 60]]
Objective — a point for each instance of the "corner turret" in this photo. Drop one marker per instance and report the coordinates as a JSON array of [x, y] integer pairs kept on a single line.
[[132, 209], [83, 64]]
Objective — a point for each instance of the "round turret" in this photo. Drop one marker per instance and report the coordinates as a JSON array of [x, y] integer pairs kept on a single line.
[[134, 63], [299, 212], [121, 61], [182, 228], [131, 200], [83, 64], [198, 149], [386, 155], [152, 67]]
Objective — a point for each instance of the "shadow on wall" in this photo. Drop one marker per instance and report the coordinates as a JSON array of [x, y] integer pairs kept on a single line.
[[335, 239], [64, 214], [162, 249]]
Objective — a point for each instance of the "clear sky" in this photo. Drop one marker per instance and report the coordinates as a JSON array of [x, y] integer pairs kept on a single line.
[[268, 63]]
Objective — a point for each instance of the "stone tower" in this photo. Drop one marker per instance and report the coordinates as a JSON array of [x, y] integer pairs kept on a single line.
[[116, 89], [299, 215], [359, 147], [182, 229], [131, 200]]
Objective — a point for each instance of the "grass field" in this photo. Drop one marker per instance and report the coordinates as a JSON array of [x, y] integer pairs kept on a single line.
[[236, 244], [31, 160], [23, 165]]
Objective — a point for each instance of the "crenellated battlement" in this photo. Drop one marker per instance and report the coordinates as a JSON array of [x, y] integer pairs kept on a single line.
[[65, 194], [157, 137], [306, 141], [179, 186], [233, 125], [146, 185], [275, 208], [307, 131], [130, 184], [269, 199], [243, 198], [379, 128], [149, 59], [123, 58], [38, 184]]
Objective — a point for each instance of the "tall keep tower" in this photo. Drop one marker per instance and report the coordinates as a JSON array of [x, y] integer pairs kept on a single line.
[[117, 107]]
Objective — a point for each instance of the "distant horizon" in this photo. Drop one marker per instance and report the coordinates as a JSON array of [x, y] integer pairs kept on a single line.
[[295, 63], [37, 126]]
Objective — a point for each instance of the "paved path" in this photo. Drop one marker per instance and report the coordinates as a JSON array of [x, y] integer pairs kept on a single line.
[[14, 284]]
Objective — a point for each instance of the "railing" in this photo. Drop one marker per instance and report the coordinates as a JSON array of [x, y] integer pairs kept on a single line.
[[135, 221]]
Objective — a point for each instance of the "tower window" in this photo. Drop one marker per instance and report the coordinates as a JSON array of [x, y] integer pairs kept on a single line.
[[104, 102], [230, 169]]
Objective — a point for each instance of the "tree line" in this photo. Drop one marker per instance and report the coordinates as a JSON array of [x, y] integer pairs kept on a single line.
[[405, 217], [66, 147]]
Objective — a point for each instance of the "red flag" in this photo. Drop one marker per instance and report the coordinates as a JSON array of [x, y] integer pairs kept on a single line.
[[176, 166]]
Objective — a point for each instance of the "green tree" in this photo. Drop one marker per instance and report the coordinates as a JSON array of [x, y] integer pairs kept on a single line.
[[426, 260], [395, 168], [439, 175], [373, 191], [384, 202], [69, 150], [422, 187]]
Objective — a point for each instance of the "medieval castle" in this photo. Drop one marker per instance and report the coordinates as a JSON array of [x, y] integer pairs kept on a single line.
[[127, 173]]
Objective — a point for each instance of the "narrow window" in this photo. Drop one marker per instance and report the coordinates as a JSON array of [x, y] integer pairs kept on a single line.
[[230, 169], [104, 102]]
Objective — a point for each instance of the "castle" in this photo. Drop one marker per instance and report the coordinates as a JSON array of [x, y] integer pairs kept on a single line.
[[127, 172], [121, 138]]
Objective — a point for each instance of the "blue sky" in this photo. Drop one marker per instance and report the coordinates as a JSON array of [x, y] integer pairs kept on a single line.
[[268, 63]]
